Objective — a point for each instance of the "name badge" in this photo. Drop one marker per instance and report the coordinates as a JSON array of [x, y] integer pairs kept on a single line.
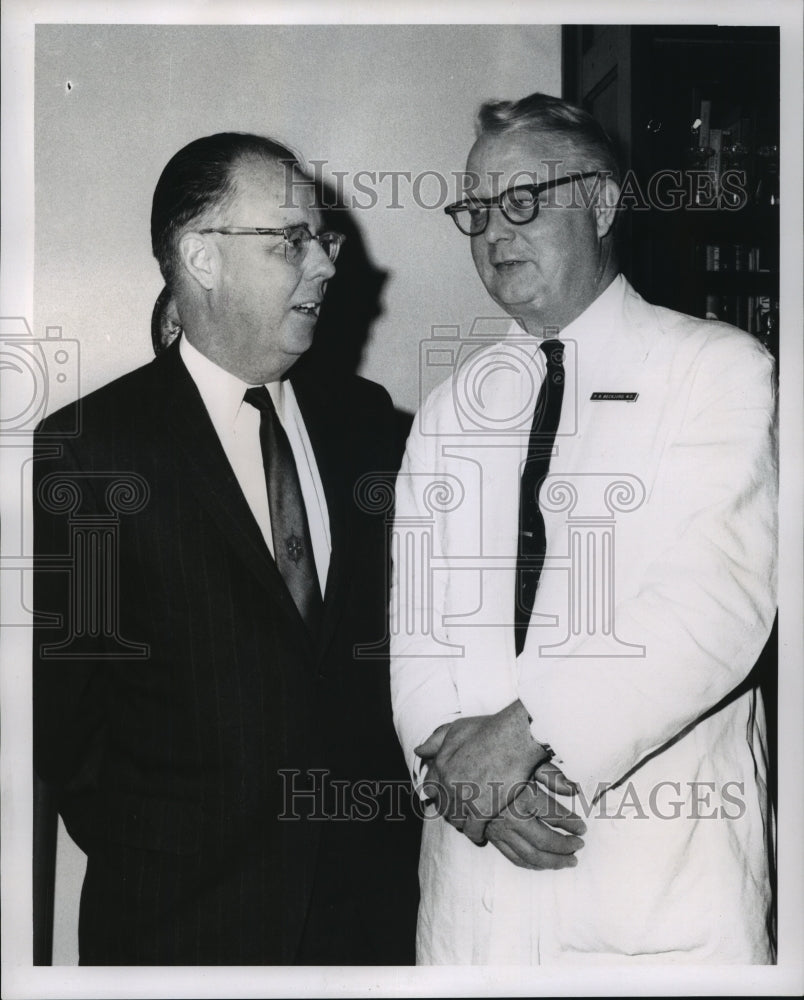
[[624, 397]]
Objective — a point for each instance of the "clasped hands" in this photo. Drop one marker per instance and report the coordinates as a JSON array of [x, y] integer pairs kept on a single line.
[[491, 780]]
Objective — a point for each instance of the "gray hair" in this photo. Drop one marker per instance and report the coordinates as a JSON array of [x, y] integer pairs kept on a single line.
[[568, 123]]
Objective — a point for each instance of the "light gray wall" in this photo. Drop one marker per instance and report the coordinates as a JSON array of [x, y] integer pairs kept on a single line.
[[395, 98], [374, 98]]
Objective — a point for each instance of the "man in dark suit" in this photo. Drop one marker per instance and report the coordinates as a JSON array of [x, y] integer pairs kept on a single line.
[[198, 701]]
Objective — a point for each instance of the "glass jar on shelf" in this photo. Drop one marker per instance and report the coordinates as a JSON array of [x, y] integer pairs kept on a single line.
[[702, 186], [734, 189], [767, 190]]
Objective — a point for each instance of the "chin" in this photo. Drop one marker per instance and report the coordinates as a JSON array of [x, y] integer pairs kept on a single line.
[[302, 345], [521, 305], [293, 353], [519, 292], [295, 342]]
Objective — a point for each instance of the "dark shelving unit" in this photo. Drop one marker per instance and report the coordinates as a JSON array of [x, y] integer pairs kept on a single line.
[[648, 85]]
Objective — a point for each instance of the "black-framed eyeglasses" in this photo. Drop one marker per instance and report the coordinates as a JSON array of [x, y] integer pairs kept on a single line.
[[519, 204], [296, 239]]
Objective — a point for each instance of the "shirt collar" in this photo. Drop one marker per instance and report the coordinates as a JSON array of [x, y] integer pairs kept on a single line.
[[598, 318], [591, 330], [603, 309], [221, 391]]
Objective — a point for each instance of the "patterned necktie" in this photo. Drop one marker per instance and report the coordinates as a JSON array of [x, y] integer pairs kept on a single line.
[[293, 550], [532, 541]]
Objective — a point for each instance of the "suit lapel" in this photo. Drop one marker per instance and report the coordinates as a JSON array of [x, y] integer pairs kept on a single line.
[[207, 468]]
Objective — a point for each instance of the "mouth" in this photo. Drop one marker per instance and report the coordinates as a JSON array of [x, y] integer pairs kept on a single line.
[[506, 265], [307, 308]]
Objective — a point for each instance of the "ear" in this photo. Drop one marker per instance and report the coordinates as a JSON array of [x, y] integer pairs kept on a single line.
[[606, 205], [199, 257]]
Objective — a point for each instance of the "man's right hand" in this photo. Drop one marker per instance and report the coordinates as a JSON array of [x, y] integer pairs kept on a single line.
[[528, 833]]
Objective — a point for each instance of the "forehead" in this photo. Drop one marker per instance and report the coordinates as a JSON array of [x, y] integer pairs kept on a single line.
[[268, 191], [497, 160]]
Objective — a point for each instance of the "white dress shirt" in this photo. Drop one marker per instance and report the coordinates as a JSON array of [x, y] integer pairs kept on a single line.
[[237, 425]]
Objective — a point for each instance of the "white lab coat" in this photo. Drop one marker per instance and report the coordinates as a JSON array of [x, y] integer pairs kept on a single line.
[[656, 599]]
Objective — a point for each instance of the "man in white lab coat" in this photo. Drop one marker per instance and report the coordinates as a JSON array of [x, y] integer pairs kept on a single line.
[[585, 576]]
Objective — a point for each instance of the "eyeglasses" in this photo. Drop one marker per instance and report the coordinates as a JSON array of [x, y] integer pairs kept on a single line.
[[296, 238], [519, 205]]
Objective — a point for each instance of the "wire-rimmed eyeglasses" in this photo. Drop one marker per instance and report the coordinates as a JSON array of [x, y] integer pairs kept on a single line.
[[519, 204], [296, 239]]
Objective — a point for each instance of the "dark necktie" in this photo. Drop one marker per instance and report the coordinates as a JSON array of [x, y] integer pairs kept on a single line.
[[293, 550], [532, 541]]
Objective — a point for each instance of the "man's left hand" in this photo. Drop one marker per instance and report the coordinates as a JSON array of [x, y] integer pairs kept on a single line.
[[477, 765], [537, 832]]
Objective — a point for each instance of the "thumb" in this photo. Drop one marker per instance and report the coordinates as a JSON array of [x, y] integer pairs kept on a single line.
[[433, 743], [551, 777]]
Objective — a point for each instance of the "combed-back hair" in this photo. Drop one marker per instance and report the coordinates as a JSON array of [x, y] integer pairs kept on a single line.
[[543, 113], [198, 179]]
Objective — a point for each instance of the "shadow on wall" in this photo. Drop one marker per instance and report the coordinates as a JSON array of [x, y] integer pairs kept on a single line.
[[353, 302], [352, 305]]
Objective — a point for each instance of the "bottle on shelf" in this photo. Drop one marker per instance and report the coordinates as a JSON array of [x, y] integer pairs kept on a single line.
[[767, 191]]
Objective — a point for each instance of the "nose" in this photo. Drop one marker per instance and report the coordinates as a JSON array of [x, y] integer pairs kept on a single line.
[[498, 227], [317, 263]]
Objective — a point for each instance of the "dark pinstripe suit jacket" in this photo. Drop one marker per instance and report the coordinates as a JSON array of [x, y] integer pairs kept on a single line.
[[176, 691]]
